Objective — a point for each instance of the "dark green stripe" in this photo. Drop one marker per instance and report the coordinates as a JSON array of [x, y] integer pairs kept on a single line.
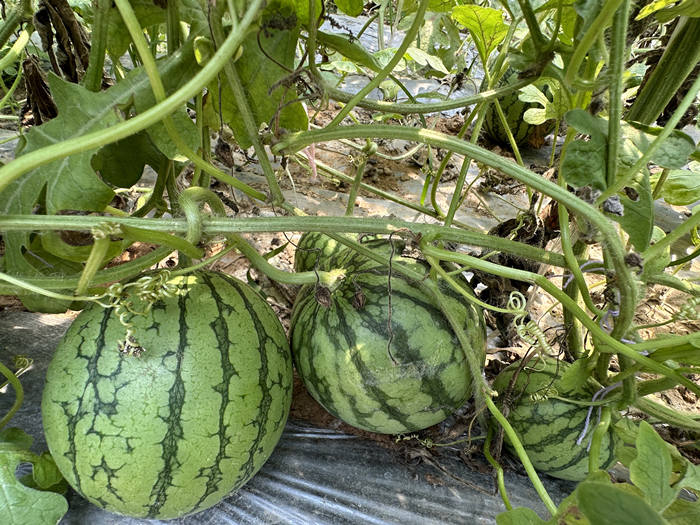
[[174, 432]]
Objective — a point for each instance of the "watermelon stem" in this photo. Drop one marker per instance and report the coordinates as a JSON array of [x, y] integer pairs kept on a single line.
[[19, 394], [499, 470], [522, 455], [601, 430]]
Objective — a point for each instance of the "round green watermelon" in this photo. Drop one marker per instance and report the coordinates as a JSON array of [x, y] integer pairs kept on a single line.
[[314, 248], [175, 429], [384, 368], [550, 428], [514, 109]]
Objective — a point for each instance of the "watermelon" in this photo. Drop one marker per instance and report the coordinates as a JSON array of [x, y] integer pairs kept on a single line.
[[313, 247], [514, 109], [175, 429], [391, 382], [316, 246], [549, 428]]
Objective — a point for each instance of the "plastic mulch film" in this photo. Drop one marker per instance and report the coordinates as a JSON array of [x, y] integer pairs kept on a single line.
[[314, 476]]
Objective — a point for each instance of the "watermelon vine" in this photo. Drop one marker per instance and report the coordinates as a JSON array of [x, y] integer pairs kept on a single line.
[[387, 332]]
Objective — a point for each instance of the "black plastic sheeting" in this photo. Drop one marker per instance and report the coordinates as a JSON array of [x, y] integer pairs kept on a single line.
[[314, 476]]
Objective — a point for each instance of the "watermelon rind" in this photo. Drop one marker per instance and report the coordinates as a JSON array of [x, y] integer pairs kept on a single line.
[[514, 110], [390, 382], [549, 428], [194, 417]]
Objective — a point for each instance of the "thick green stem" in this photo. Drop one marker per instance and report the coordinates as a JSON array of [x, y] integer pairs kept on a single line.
[[618, 59], [98, 45], [667, 415], [17, 48], [21, 12], [498, 469], [589, 38], [352, 196], [172, 26], [520, 451], [326, 278], [219, 226], [93, 264]]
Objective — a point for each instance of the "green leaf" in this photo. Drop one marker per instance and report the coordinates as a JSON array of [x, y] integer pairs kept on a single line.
[[424, 59], [46, 473], [485, 25], [21, 505], [118, 38], [638, 218], [260, 71], [586, 124], [349, 7], [651, 471], [682, 187], [519, 516], [588, 10], [302, 9], [577, 375], [349, 49], [16, 436], [584, 163], [691, 477], [609, 505], [71, 183], [673, 152], [121, 163], [657, 265], [683, 512]]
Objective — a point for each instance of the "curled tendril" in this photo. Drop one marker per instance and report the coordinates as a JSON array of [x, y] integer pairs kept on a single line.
[[538, 397], [689, 311], [529, 332], [148, 289]]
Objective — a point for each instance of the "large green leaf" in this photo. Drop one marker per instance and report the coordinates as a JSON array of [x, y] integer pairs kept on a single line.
[[673, 152], [485, 25], [118, 38], [71, 183], [267, 59], [121, 163], [19, 504], [608, 505], [651, 471]]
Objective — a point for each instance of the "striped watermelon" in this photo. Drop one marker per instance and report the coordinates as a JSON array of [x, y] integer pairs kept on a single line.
[[549, 428], [384, 381], [514, 109], [316, 246], [175, 430]]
